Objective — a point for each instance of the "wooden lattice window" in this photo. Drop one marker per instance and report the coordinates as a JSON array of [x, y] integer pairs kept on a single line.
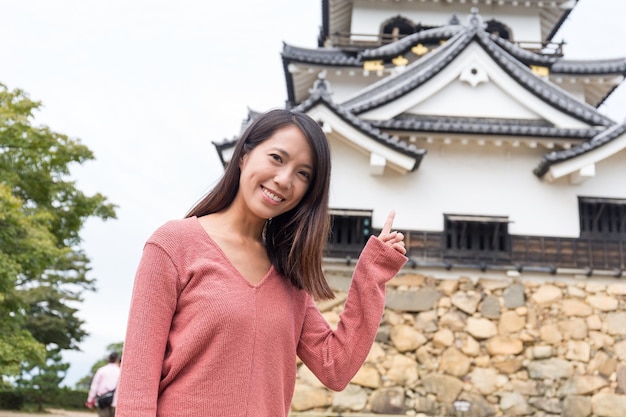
[[602, 217], [476, 234], [350, 227]]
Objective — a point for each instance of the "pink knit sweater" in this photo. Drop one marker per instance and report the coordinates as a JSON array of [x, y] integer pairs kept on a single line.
[[202, 341]]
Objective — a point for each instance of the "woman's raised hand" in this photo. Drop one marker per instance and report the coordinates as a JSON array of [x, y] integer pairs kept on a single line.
[[394, 239]]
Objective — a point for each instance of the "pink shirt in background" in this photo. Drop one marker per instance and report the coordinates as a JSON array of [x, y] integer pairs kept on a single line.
[[105, 380]]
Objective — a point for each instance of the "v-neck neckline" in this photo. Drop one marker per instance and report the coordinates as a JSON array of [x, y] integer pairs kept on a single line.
[[227, 260]]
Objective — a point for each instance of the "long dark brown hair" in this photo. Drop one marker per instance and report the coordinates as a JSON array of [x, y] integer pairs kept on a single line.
[[294, 240]]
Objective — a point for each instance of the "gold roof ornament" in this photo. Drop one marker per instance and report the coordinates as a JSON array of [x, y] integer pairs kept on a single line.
[[540, 71], [400, 61], [376, 65], [419, 49]]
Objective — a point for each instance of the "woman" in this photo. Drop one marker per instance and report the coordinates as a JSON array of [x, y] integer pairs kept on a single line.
[[223, 300]]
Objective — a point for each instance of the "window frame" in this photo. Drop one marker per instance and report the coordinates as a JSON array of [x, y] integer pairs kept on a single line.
[[602, 218], [352, 232], [476, 237]]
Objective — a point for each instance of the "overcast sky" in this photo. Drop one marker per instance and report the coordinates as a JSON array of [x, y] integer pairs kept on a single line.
[[147, 85]]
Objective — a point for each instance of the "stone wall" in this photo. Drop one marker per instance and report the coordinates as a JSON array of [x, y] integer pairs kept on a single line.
[[509, 347]]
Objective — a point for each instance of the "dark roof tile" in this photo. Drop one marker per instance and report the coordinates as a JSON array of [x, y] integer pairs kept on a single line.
[[599, 140], [487, 126], [321, 93]]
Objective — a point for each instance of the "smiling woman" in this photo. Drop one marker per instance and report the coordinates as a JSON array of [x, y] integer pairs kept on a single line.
[[285, 154], [224, 300], [274, 178], [280, 168]]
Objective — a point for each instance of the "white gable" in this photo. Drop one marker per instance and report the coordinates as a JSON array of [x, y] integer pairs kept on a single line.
[[461, 99], [474, 86]]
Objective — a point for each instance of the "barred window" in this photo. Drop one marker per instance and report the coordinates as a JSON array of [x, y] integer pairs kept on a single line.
[[350, 227], [476, 234], [602, 217]]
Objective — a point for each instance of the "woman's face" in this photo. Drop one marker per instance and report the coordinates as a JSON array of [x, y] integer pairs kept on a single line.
[[276, 174]]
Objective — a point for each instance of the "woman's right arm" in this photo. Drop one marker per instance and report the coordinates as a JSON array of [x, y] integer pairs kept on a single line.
[[152, 306]]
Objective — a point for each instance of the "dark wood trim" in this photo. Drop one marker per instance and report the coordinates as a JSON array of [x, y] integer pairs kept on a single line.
[[523, 251]]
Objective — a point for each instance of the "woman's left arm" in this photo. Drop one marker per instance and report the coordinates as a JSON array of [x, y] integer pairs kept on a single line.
[[336, 356]]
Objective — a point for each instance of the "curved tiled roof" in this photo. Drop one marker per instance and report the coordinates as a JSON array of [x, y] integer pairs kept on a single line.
[[405, 44], [559, 156], [511, 58], [590, 67], [415, 74], [563, 66], [540, 87], [320, 94], [420, 71], [483, 126], [322, 56], [557, 65], [501, 48]]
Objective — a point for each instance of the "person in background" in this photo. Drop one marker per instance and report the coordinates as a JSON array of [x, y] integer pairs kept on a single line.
[[224, 300], [104, 382]]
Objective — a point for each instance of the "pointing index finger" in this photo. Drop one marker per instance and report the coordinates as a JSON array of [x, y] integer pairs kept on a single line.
[[388, 223]]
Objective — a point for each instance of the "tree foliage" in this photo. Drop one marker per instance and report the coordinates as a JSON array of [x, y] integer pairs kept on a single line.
[[44, 380], [43, 270], [24, 242]]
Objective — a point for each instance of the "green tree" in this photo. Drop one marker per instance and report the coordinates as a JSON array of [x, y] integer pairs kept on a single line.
[[24, 243], [43, 270], [44, 380]]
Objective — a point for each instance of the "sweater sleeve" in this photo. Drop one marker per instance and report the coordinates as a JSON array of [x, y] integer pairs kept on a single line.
[[152, 306], [336, 356]]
